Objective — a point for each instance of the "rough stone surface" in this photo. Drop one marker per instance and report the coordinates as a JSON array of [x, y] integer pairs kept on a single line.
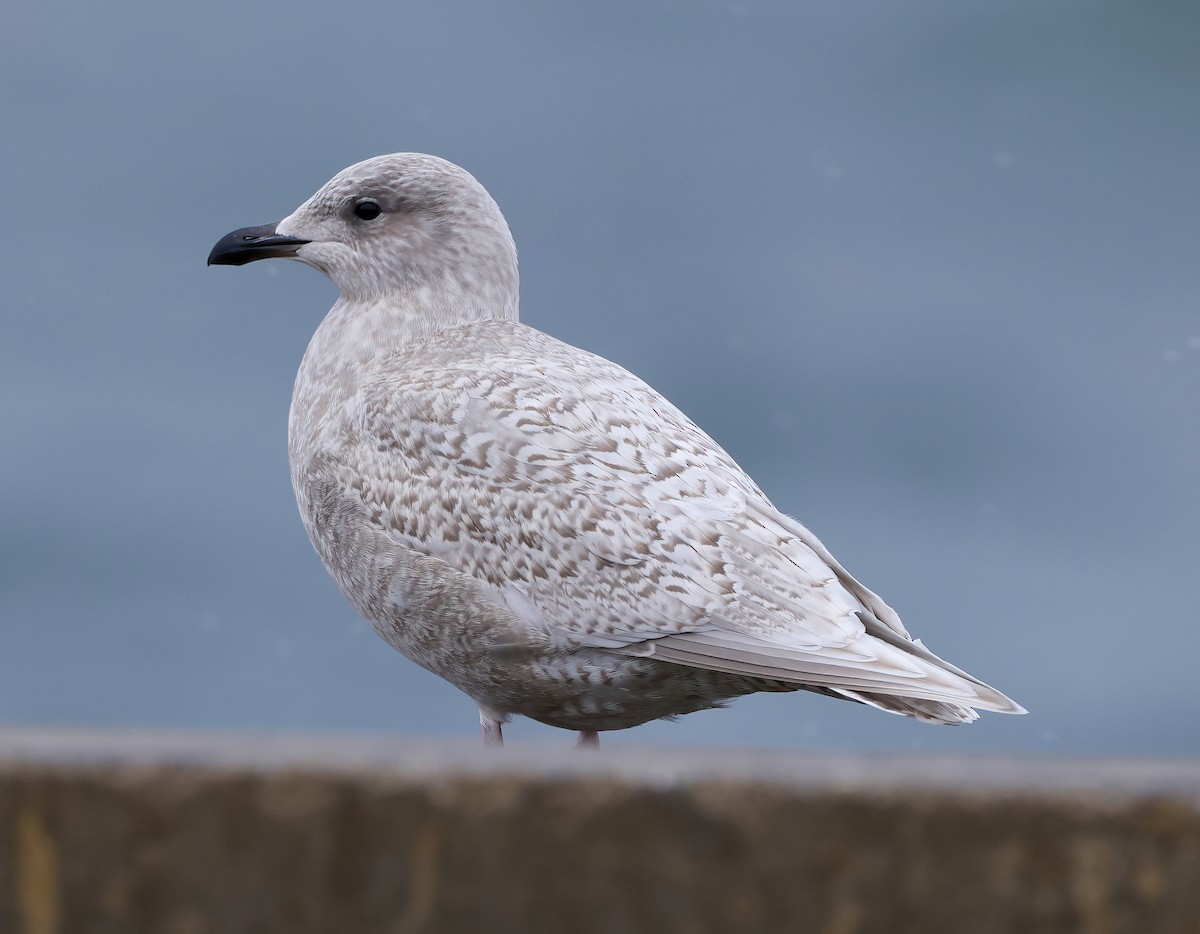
[[189, 834]]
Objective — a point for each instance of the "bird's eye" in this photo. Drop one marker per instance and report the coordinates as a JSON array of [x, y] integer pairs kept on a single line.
[[367, 210]]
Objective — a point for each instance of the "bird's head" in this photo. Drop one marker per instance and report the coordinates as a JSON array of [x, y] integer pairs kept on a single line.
[[392, 225]]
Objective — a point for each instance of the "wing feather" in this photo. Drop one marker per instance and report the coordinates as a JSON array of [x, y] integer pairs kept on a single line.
[[622, 525]]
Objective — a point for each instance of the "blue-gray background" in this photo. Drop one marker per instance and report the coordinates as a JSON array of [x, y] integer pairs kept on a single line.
[[927, 269]]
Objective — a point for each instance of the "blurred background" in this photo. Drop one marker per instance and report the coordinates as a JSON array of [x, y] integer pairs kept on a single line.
[[927, 270]]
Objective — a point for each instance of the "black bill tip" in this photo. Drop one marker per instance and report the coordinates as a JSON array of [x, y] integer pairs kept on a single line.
[[251, 243]]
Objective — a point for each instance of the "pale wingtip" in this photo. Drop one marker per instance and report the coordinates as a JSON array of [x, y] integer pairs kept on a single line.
[[995, 702]]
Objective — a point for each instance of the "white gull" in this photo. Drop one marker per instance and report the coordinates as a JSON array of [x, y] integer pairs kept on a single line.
[[532, 522]]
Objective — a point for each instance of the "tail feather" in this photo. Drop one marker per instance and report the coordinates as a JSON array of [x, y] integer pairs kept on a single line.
[[927, 711]]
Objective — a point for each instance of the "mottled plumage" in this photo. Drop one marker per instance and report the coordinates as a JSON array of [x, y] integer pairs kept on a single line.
[[532, 522]]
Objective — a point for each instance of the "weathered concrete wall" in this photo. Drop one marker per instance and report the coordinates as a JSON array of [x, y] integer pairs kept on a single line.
[[176, 834]]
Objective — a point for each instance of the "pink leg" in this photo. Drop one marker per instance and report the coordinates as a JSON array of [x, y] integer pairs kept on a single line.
[[589, 739], [492, 734]]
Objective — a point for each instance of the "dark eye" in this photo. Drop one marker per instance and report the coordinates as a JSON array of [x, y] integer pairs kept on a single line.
[[367, 210]]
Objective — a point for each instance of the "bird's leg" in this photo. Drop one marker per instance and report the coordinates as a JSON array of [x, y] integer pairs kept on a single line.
[[589, 739], [490, 727]]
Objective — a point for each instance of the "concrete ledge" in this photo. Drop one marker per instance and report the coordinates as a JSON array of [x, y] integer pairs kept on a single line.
[[137, 832]]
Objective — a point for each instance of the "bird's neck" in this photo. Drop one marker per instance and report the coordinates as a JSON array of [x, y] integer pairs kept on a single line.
[[361, 333]]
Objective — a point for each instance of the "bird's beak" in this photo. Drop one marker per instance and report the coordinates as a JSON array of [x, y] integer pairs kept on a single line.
[[251, 243]]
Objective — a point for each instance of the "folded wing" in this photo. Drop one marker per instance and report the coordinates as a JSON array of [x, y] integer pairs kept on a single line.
[[605, 518]]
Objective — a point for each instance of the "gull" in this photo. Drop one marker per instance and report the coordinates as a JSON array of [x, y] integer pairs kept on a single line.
[[532, 522]]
